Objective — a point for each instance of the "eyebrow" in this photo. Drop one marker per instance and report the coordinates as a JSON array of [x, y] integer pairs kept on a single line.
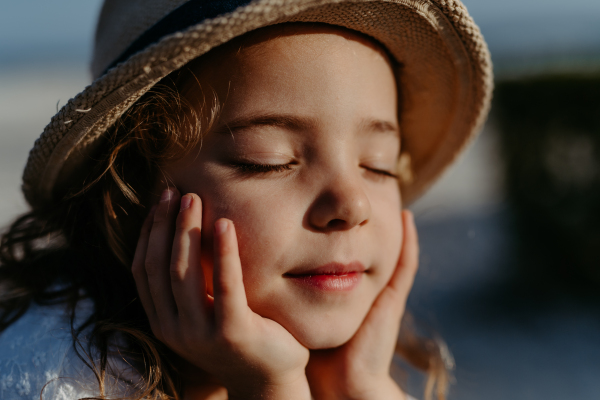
[[289, 122], [297, 123], [379, 126]]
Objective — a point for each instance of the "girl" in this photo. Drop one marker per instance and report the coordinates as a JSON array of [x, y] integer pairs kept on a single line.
[[219, 214]]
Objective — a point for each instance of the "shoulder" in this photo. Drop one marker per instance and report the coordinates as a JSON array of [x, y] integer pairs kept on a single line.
[[37, 357]]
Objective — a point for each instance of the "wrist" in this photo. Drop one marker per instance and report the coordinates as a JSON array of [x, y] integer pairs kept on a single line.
[[385, 388], [375, 389], [293, 389]]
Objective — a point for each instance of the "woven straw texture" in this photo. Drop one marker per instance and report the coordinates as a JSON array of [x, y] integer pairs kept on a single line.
[[445, 78]]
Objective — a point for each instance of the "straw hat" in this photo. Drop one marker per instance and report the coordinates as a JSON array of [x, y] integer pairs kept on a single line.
[[445, 77]]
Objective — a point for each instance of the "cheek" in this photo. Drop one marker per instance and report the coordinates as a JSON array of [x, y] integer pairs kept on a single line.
[[387, 221], [266, 223]]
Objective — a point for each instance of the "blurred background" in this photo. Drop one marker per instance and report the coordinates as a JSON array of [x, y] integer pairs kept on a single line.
[[510, 237]]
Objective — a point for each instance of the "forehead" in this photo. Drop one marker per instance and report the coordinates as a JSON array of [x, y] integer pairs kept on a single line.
[[301, 36], [336, 82], [287, 34], [285, 42], [295, 62]]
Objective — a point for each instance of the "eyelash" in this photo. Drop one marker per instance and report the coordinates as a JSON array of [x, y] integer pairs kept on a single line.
[[383, 173], [266, 168], [262, 168]]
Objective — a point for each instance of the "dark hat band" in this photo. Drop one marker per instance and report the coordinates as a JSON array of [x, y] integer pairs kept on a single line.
[[188, 14]]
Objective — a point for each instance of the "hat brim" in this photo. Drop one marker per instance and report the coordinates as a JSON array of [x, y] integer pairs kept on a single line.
[[445, 83]]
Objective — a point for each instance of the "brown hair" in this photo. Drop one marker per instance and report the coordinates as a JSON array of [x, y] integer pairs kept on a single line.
[[83, 245]]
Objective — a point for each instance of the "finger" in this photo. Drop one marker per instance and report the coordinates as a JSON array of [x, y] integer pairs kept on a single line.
[[138, 268], [229, 294], [187, 278], [158, 256], [393, 297], [383, 320]]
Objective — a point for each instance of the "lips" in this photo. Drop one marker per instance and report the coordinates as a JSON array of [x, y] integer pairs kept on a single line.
[[331, 277]]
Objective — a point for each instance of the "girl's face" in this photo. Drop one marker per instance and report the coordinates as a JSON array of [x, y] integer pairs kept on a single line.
[[302, 161]]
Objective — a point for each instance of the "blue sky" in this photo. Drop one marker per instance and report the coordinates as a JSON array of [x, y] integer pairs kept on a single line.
[[39, 29]]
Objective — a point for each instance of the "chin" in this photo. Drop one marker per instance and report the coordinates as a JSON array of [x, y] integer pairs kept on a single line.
[[324, 334]]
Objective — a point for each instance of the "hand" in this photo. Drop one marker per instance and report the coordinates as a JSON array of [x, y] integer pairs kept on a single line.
[[360, 368], [252, 356]]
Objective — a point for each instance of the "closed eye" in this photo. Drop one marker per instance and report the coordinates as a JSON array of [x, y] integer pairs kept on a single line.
[[266, 168], [262, 168], [381, 172]]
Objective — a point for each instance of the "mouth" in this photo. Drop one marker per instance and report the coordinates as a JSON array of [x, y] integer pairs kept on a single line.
[[331, 277]]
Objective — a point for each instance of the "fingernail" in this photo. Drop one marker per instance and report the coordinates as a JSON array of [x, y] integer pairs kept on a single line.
[[166, 195], [186, 201], [220, 226]]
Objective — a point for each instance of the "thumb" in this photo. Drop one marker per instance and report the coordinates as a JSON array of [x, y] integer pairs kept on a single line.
[[403, 278], [388, 308]]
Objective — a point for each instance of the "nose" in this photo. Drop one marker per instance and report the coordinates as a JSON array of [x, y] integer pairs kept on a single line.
[[341, 205]]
